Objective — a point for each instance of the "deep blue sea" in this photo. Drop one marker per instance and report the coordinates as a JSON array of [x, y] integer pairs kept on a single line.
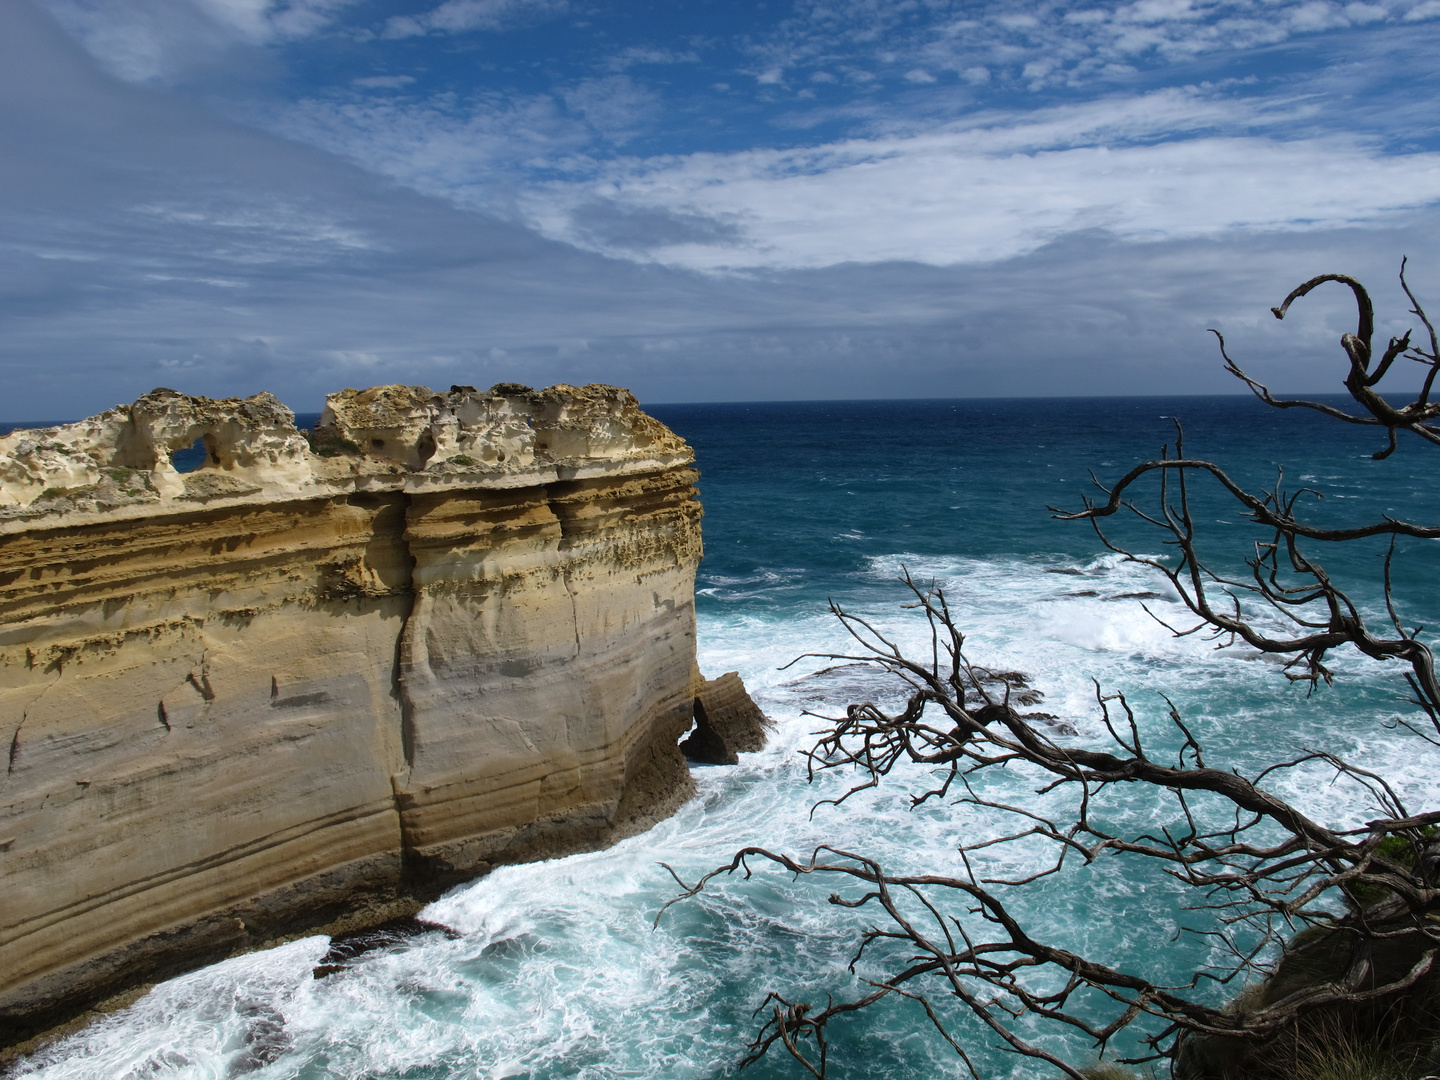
[[556, 971]]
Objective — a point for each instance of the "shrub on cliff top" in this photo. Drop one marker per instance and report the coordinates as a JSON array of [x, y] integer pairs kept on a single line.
[[328, 444]]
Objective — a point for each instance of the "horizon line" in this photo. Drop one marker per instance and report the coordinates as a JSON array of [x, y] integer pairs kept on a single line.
[[14, 425]]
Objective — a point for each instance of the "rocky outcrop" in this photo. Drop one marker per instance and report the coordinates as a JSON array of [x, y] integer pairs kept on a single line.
[[1383, 1033], [317, 677], [727, 722]]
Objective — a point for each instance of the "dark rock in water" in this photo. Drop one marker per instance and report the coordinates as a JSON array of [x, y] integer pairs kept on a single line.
[[1050, 720], [727, 723], [824, 690], [345, 948], [265, 1038]]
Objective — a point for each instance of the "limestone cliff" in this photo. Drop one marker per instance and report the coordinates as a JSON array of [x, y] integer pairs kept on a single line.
[[318, 675]]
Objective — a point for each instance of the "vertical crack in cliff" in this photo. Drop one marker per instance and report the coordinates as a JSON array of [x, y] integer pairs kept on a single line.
[[401, 693], [411, 871], [398, 687], [15, 744], [565, 538], [574, 609], [15, 736], [14, 753]]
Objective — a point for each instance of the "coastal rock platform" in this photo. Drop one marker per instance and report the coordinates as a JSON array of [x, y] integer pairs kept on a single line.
[[325, 673]]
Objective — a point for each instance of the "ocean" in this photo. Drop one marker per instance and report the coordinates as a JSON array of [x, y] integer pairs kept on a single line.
[[560, 969]]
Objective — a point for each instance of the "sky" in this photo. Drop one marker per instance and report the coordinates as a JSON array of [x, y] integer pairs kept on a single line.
[[703, 200]]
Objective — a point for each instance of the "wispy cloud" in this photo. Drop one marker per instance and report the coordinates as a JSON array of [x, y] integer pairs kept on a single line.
[[616, 106], [645, 55], [152, 40], [261, 21], [1040, 43], [476, 151], [946, 199], [1166, 165], [260, 230], [465, 16], [383, 82]]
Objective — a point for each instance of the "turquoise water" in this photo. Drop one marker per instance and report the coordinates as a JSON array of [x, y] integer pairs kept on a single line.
[[554, 970]]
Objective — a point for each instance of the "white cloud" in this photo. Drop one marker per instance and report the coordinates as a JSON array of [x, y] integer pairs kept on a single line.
[[464, 16], [384, 82], [637, 55], [262, 21], [616, 106], [987, 193], [472, 151], [1169, 165], [149, 40], [1017, 21], [1038, 69], [1042, 44], [1359, 13], [254, 232]]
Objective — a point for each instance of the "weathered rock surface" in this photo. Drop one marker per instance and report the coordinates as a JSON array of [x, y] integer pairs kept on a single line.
[[727, 722], [315, 678]]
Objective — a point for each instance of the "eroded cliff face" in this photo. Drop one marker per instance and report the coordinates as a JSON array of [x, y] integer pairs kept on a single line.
[[316, 677]]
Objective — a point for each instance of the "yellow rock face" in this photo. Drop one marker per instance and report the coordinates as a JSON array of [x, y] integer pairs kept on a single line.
[[292, 686]]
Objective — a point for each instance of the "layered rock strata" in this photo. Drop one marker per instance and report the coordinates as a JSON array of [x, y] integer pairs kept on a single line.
[[319, 675]]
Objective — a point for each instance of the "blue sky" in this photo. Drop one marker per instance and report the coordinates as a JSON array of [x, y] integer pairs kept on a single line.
[[702, 201]]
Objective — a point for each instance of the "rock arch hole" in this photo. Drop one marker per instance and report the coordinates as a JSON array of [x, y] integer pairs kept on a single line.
[[195, 456]]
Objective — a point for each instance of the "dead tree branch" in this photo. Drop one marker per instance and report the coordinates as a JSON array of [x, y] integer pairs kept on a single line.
[[1259, 868]]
